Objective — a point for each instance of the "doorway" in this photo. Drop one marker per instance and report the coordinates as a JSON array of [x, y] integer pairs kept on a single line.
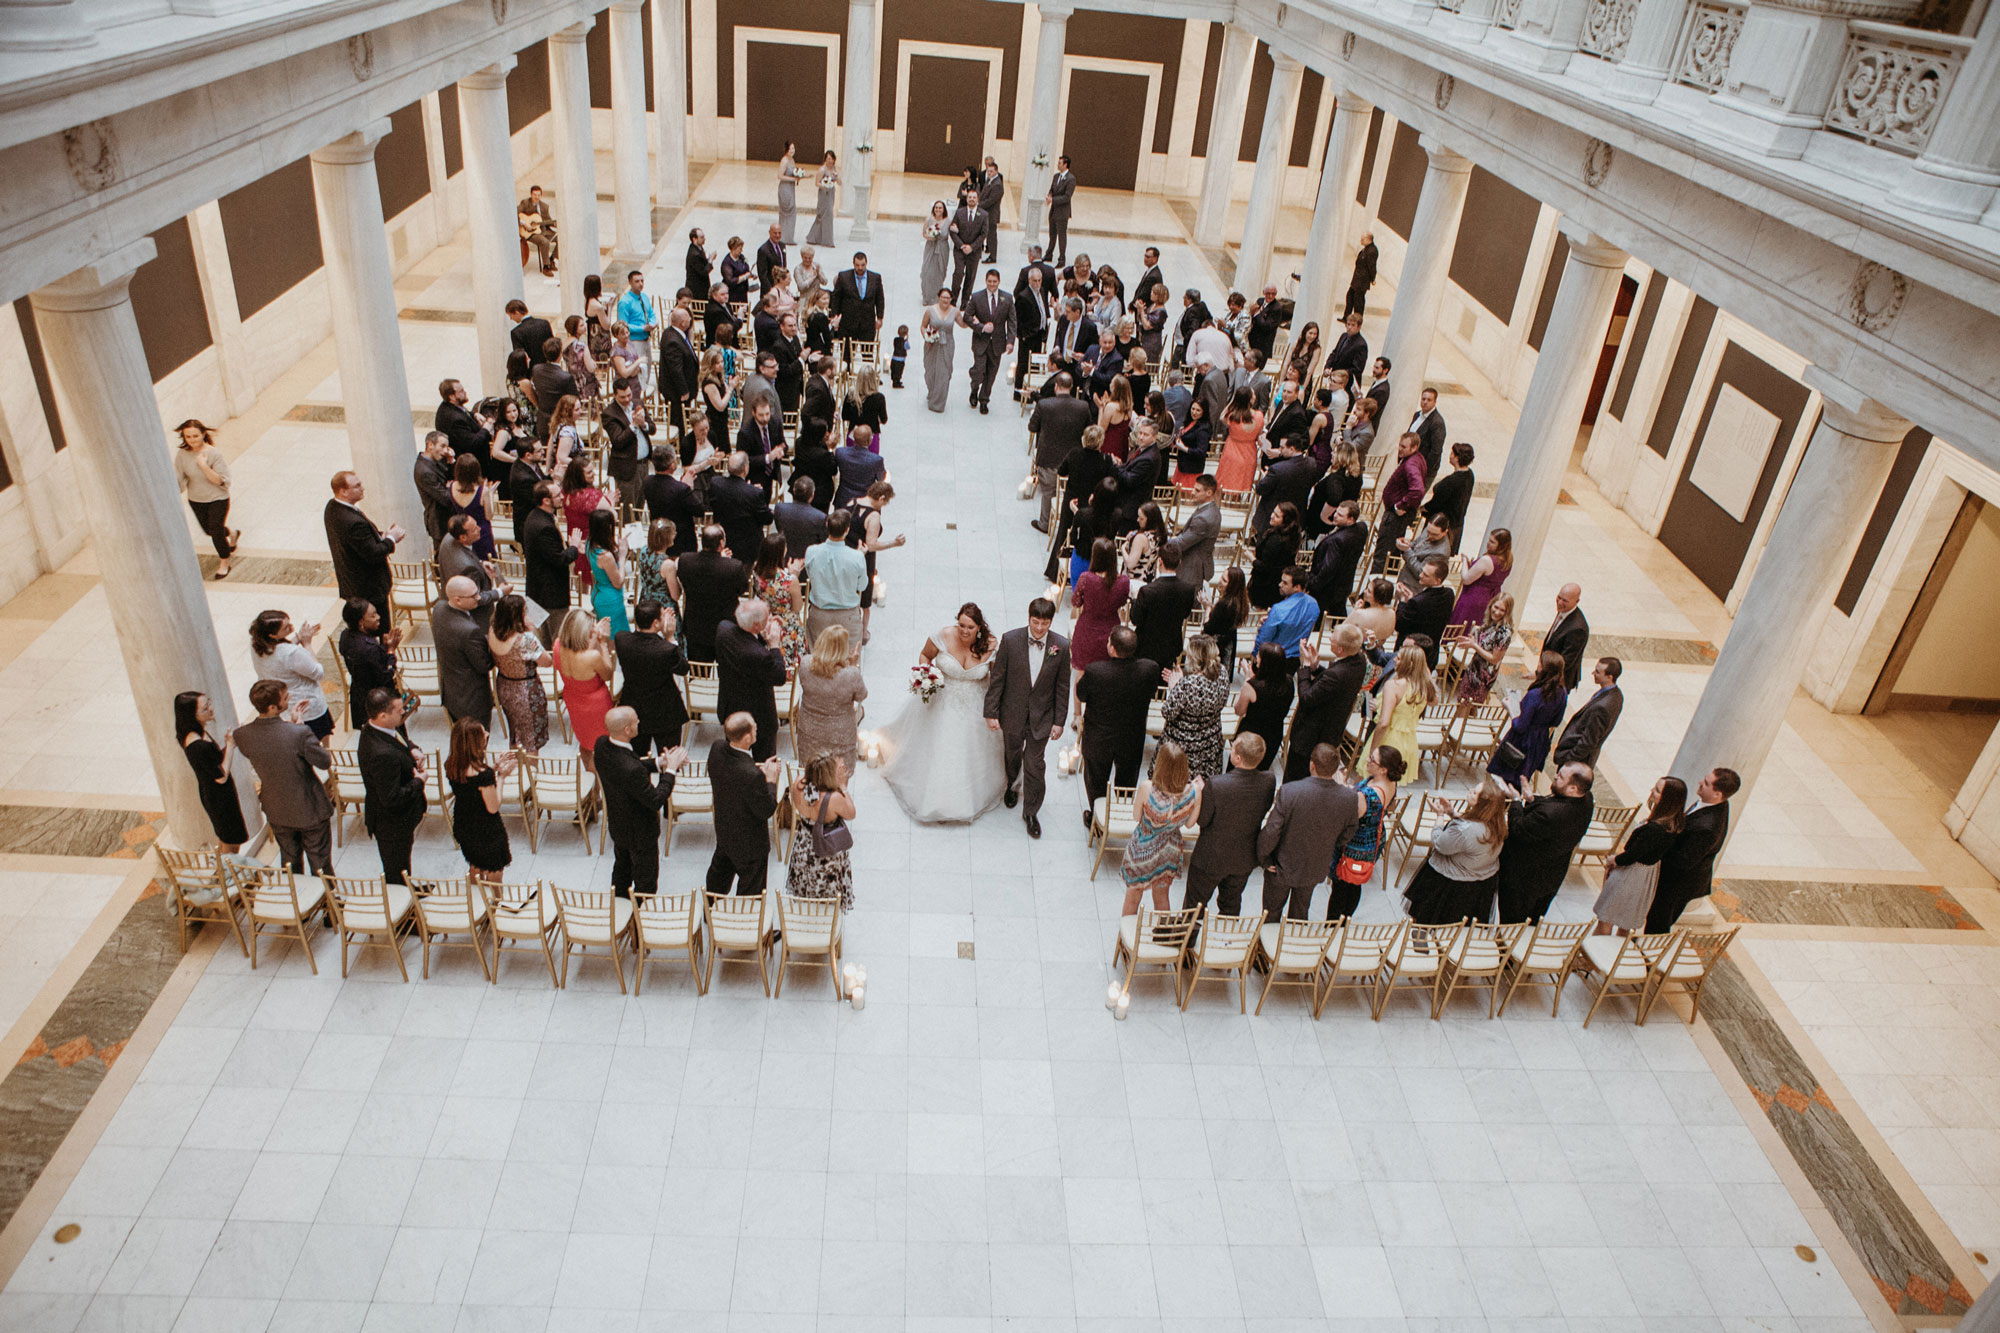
[[786, 87], [1104, 132], [1621, 315], [945, 119]]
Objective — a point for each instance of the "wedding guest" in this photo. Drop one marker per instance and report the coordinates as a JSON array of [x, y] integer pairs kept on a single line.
[[1590, 726], [654, 575], [635, 790], [1227, 616], [288, 760], [1542, 707], [651, 658], [1293, 617], [1404, 699], [392, 780], [1326, 698], [369, 653], [1687, 871], [711, 582], [203, 474], [749, 666], [1233, 806], [583, 660], [831, 689], [1101, 593], [1488, 641], [745, 794], [1543, 833], [464, 663], [1161, 806], [821, 804], [1634, 874], [279, 653], [475, 801], [1458, 876], [1363, 848], [775, 581], [1192, 710], [1114, 695], [517, 679], [1264, 700], [1480, 580], [1276, 549], [210, 762], [1309, 822]]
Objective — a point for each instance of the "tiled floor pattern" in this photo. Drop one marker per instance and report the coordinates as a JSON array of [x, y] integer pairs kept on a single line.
[[1790, 902], [50, 830]]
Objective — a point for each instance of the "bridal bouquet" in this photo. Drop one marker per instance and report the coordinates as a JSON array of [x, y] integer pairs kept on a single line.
[[925, 681], [933, 229]]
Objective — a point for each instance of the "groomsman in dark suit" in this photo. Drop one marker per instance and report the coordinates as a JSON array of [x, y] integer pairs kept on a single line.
[[857, 302], [992, 190], [1027, 696], [745, 794], [360, 550], [990, 316], [968, 228], [392, 780], [1115, 693], [649, 658], [636, 789], [1062, 189]]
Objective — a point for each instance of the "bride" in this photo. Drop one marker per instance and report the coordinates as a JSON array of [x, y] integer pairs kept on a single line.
[[944, 763]]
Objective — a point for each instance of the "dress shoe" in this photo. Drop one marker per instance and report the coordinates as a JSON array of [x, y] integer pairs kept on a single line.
[[1086, 819], [1034, 827], [972, 401], [982, 409], [1012, 798], [1039, 526]]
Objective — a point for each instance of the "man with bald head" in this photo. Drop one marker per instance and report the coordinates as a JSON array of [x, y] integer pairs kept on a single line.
[[465, 663], [1569, 634], [636, 788]]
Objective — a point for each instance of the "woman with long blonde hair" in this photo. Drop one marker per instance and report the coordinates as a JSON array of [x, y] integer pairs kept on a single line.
[[1404, 700], [1162, 806], [830, 693], [583, 659]]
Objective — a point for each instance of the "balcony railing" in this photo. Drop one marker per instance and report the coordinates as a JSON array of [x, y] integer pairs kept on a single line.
[[1506, 13], [1707, 42], [1892, 85], [1607, 28]]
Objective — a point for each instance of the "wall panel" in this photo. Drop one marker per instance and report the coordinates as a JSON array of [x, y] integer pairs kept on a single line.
[[166, 300], [1130, 37], [801, 15], [1404, 184], [273, 235], [1493, 245], [402, 161]]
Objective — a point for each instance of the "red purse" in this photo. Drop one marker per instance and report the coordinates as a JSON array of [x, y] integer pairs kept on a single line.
[[1350, 871]]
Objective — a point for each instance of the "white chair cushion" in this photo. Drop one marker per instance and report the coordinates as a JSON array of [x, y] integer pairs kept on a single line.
[[1148, 952], [1602, 951], [1542, 957], [661, 928], [1416, 964], [271, 905], [364, 914], [452, 912], [694, 798], [1121, 825], [1225, 953], [590, 929], [522, 921], [736, 932], [1597, 842]]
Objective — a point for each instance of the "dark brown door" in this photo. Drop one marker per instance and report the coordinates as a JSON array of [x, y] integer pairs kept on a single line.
[[1621, 314], [1105, 127], [786, 90], [944, 124]]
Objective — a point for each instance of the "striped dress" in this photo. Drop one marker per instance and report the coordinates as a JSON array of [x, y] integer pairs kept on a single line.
[[1153, 852]]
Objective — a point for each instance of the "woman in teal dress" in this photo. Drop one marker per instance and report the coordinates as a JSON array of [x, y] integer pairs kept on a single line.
[[607, 580], [1163, 804]]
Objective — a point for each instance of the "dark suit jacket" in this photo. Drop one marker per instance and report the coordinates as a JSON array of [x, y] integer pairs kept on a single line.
[[711, 585], [285, 755], [1286, 479], [1147, 281], [1350, 353], [1541, 834], [1430, 443], [360, 553], [635, 791], [992, 189], [529, 335], [856, 315], [623, 459], [770, 255], [1116, 692], [1062, 186], [1086, 338], [1326, 700], [700, 271], [1570, 636], [394, 798], [740, 508], [743, 799], [1587, 731], [679, 367], [1687, 871], [1051, 281], [1450, 497], [1136, 479], [1058, 423], [747, 670], [803, 527], [1159, 617], [1308, 824], [455, 561], [1335, 559], [1426, 612], [1023, 707], [1000, 315], [671, 498], [819, 463], [551, 382], [967, 227], [1379, 391], [522, 478], [1364, 265], [817, 402], [433, 480], [1233, 806], [649, 664], [464, 662], [1033, 315], [750, 439], [1193, 319], [467, 436], [548, 560]]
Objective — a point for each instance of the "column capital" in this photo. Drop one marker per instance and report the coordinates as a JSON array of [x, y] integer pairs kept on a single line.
[[575, 32], [98, 285], [1353, 104], [1441, 155], [351, 150], [1846, 409], [493, 78], [1587, 247], [1052, 13], [1285, 64], [628, 6]]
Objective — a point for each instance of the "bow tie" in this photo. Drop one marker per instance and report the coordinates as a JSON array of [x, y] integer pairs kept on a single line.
[[1038, 643]]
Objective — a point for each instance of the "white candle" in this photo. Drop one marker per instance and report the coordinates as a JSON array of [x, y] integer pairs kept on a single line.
[[1124, 1006], [1111, 996], [860, 997]]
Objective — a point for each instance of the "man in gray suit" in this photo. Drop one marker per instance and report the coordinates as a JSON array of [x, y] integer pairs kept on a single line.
[[990, 316], [284, 752], [1307, 826], [1062, 188], [1027, 696], [1214, 391], [1233, 805], [1590, 726], [457, 559], [464, 661], [1057, 423], [1196, 539], [967, 229]]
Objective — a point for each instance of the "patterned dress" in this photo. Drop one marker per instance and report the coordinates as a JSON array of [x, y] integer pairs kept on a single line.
[[1477, 682], [523, 701], [1153, 853], [646, 567], [811, 876], [1193, 713], [777, 594]]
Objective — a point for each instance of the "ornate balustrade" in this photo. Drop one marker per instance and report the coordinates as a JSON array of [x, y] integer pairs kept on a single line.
[[1892, 84], [1607, 28], [1707, 40]]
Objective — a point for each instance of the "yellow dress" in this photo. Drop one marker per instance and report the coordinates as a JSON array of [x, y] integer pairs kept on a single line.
[[1402, 729]]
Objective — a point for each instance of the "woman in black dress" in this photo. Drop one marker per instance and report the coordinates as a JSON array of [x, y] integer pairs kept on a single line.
[[866, 405], [1232, 608], [210, 762], [1275, 550], [369, 655], [475, 797], [1264, 700], [1082, 474], [736, 272]]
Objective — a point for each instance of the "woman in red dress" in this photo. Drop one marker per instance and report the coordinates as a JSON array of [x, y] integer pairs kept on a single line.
[[583, 659]]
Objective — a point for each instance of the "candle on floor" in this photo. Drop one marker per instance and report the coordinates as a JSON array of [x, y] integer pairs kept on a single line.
[[860, 997], [1111, 996], [1124, 1006]]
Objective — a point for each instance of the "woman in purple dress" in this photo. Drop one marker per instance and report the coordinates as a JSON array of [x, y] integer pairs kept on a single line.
[[1542, 708], [1482, 578]]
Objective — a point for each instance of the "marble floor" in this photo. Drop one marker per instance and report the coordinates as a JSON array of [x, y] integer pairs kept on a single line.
[[982, 1147]]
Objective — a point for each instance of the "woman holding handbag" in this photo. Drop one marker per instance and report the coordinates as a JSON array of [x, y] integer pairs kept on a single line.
[[1627, 894], [1355, 865], [820, 844]]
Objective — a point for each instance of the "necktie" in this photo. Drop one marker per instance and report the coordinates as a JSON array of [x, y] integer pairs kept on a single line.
[[861, 285]]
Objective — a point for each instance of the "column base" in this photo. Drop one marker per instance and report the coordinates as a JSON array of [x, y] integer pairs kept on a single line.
[[1630, 84], [858, 207], [1946, 193], [1768, 133]]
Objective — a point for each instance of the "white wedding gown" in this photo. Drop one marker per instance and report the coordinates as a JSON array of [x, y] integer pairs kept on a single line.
[[943, 762]]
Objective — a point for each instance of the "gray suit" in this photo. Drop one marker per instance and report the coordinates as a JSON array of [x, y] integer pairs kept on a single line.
[[285, 755], [1214, 393], [465, 663], [455, 561], [1196, 543], [1057, 423], [1233, 805], [997, 309], [1028, 710], [1308, 825], [1062, 188], [1589, 727]]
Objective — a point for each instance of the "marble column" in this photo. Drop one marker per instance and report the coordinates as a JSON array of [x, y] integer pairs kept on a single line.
[[1225, 135], [857, 118], [1758, 670], [124, 471], [490, 199], [43, 25], [381, 434], [1320, 291], [1420, 286], [1044, 134], [576, 163], [1552, 412], [1960, 168], [218, 296], [632, 211], [670, 92], [1255, 264]]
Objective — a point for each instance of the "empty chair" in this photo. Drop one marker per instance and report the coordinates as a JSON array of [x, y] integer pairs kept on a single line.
[[1226, 945], [201, 887], [521, 914], [739, 930], [594, 921], [447, 908], [1549, 952], [1414, 828], [1621, 965], [368, 911], [809, 928], [1686, 968], [1155, 939], [701, 691], [1111, 816], [1294, 952], [1608, 824], [668, 923], [275, 901], [1355, 961], [1476, 736], [412, 589], [417, 673], [693, 796], [1434, 738], [343, 785], [1479, 954], [563, 789], [1417, 964]]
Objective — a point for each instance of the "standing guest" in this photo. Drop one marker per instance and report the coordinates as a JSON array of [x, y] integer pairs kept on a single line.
[[583, 660], [1422, 616], [1373, 612], [210, 762], [1114, 412], [284, 754], [204, 478], [1192, 438], [771, 254], [711, 582], [990, 316], [680, 367], [359, 549], [1453, 493], [1402, 496], [464, 662], [1062, 189], [1058, 423], [831, 688], [545, 554], [468, 495], [1569, 634], [653, 568], [607, 578], [1337, 558], [1161, 806], [278, 655], [1233, 806], [1074, 336], [369, 653], [1326, 698], [671, 499], [1590, 726], [578, 361], [1359, 432], [1433, 538], [936, 327], [1194, 545], [1305, 353], [1292, 617], [1457, 879], [1404, 699], [1288, 479], [761, 441], [745, 794], [817, 400], [735, 272], [1542, 835], [1083, 474], [1542, 707], [580, 499], [1228, 615], [1159, 617], [1687, 872], [820, 805], [1309, 822], [1364, 276], [392, 780], [1239, 453], [815, 462], [1428, 426], [866, 405], [749, 666], [867, 534], [1634, 874], [1264, 700], [1114, 695], [775, 581], [475, 801], [630, 437], [635, 790], [1178, 397], [837, 574], [1363, 847], [1489, 640], [467, 432], [1266, 317], [858, 302], [800, 524], [1350, 349], [517, 683], [1480, 580], [1101, 593], [457, 559], [551, 379], [1192, 710], [1139, 474], [1277, 546], [739, 506], [530, 334], [700, 264], [650, 658], [1035, 316]]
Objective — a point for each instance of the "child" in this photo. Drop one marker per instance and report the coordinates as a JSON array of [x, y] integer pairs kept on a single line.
[[899, 352]]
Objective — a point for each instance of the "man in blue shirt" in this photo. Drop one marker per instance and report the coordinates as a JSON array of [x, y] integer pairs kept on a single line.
[[1292, 618], [635, 312]]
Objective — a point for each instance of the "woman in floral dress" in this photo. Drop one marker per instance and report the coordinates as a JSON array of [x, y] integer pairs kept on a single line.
[[654, 566], [518, 687], [1489, 640], [1164, 804], [777, 584], [811, 875], [1193, 706]]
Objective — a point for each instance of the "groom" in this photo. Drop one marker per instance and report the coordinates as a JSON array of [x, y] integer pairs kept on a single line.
[[1027, 695]]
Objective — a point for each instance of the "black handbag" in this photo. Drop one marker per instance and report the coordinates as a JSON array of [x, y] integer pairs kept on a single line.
[[1508, 757], [828, 838]]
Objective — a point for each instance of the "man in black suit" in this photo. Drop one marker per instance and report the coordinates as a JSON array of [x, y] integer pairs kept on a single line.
[[1115, 693], [668, 496], [790, 380], [531, 333], [1074, 336], [467, 432], [464, 661], [522, 478], [359, 549], [285, 754], [432, 475], [550, 379], [764, 322], [1687, 871], [1569, 634], [1425, 613], [1266, 317], [745, 794], [630, 437], [967, 230], [1590, 726], [1336, 558], [1051, 280], [817, 401], [649, 657], [1364, 275], [1150, 277], [549, 559], [1542, 833], [1290, 477], [1429, 428], [739, 506], [680, 367], [1027, 697], [1308, 824], [1379, 388], [1233, 806], [1034, 317], [1452, 493], [992, 190], [1326, 698], [990, 316], [635, 791], [761, 440], [749, 668], [770, 256], [857, 302], [1350, 352], [802, 524], [1057, 422], [392, 782], [1160, 611], [1194, 318], [1141, 471], [1062, 189], [711, 583]]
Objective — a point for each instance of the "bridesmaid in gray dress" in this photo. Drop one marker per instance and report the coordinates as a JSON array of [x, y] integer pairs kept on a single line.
[[788, 203], [829, 186], [937, 248], [940, 320]]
